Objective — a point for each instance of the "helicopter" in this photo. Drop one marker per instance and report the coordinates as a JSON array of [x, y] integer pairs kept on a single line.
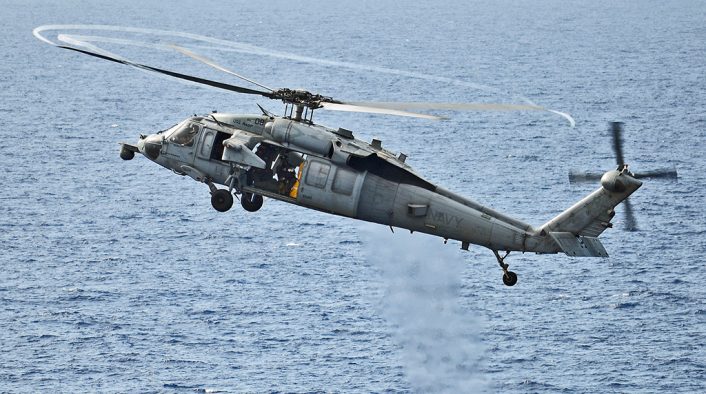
[[290, 158]]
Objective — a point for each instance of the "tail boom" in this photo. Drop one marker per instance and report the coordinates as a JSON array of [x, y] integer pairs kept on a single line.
[[575, 230]]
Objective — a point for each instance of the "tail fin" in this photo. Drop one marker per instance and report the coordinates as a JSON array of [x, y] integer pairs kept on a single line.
[[575, 230]]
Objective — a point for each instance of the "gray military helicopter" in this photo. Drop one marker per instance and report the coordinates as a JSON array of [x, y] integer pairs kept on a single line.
[[290, 158]]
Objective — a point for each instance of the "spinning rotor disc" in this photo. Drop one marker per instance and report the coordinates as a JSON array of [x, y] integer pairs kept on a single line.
[[299, 98]]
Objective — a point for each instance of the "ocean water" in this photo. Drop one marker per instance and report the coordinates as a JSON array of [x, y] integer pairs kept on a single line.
[[119, 276]]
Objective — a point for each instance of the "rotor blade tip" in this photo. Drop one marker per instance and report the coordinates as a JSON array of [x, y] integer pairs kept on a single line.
[[572, 122]]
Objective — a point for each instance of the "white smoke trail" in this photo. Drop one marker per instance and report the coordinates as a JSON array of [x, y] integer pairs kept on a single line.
[[421, 281]]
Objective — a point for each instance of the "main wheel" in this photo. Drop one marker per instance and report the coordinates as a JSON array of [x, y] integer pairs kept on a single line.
[[509, 278], [251, 202], [221, 200]]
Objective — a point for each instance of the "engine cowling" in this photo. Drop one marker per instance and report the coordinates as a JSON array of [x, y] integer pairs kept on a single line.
[[302, 135]]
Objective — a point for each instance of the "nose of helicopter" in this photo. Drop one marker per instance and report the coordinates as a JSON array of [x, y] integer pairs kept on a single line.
[[150, 146]]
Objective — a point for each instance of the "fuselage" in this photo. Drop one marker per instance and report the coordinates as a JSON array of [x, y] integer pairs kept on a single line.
[[335, 173], [331, 171]]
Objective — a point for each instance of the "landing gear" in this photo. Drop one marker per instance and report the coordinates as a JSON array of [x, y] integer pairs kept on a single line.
[[509, 277], [221, 200], [251, 202]]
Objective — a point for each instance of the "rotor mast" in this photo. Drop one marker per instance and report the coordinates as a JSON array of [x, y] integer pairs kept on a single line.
[[300, 104], [296, 112]]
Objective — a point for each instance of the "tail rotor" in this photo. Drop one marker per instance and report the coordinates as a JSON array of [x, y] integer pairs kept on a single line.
[[616, 129]]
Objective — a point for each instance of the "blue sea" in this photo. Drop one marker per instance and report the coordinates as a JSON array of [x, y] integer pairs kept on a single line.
[[118, 276]]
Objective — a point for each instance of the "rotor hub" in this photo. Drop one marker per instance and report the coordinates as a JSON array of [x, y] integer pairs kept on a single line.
[[300, 97]]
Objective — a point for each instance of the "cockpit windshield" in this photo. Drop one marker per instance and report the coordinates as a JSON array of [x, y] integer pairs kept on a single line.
[[183, 133], [169, 130]]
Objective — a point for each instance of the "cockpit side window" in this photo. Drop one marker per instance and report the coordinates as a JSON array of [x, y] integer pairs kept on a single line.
[[184, 135]]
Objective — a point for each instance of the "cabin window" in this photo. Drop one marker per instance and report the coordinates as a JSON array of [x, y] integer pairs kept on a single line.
[[317, 175], [185, 134], [344, 181], [207, 144]]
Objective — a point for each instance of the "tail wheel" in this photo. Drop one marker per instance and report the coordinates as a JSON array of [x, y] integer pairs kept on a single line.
[[251, 202], [509, 278], [221, 200]]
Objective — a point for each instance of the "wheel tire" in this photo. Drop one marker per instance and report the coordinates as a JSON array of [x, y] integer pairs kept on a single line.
[[510, 278], [251, 202], [221, 200]]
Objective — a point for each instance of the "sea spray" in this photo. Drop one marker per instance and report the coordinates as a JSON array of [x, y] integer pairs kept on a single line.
[[421, 281]]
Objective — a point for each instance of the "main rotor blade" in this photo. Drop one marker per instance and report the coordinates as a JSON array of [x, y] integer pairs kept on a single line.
[[347, 107], [213, 64], [617, 129], [215, 84], [403, 108], [657, 174], [630, 222], [225, 45], [448, 106]]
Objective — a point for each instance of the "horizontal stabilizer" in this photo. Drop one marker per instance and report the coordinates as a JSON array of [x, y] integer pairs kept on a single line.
[[579, 246]]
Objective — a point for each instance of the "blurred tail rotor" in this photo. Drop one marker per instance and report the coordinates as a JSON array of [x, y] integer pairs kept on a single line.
[[630, 222], [616, 129]]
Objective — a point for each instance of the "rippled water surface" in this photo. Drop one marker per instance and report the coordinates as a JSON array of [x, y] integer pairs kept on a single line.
[[119, 276]]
